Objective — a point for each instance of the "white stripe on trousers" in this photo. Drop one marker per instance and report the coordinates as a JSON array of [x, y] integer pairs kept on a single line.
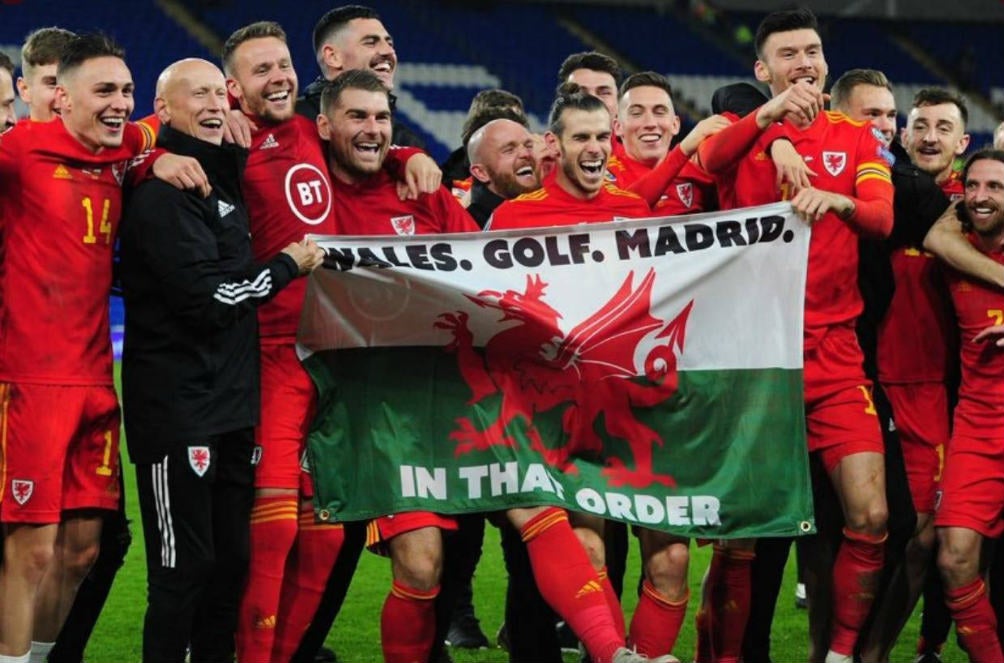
[[162, 502]]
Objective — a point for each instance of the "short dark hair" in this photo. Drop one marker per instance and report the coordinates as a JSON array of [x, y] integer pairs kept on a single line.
[[592, 60], [571, 97], [935, 96], [336, 19], [486, 115], [256, 30], [87, 47], [355, 79], [43, 46], [784, 21], [6, 63], [840, 93], [983, 154], [646, 79], [493, 98]]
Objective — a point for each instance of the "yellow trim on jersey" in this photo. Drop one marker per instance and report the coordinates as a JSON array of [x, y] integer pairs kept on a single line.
[[836, 117], [617, 191], [539, 194], [149, 136], [878, 165]]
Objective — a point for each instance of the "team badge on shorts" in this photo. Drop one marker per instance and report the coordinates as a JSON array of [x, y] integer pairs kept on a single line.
[[198, 459], [256, 455], [403, 225], [21, 490], [685, 191], [834, 162]]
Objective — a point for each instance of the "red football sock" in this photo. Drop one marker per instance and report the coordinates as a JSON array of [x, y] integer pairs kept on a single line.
[[307, 572], [408, 624], [656, 622], [273, 530], [569, 584], [975, 621], [730, 605], [855, 575], [615, 604]]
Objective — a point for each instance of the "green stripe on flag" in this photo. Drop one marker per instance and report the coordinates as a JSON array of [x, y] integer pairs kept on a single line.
[[723, 456]]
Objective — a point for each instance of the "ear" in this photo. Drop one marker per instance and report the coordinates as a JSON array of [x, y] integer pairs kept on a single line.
[[963, 145], [63, 99], [324, 126], [234, 90], [674, 127], [331, 58], [22, 90], [160, 110], [479, 173], [761, 72], [618, 127], [551, 139]]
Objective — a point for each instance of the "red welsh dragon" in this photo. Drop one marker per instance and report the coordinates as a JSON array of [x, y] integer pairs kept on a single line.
[[591, 371]]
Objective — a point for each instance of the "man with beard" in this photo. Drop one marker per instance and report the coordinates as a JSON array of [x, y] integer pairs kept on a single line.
[[579, 191], [353, 37], [971, 488], [288, 194], [850, 195], [502, 166]]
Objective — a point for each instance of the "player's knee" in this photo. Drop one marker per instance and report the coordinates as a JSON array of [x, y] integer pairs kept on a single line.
[[956, 565], [30, 562], [871, 520], [419, 568], [78, 561], [667, 570]]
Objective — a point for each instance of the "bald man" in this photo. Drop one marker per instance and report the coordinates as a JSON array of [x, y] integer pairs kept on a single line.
[[503, 165], [190, 371]]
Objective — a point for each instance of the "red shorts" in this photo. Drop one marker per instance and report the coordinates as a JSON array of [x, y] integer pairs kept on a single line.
[[840, 416], [920, 411], [288, 400], [383, 529], [60, 450], [972, 487]]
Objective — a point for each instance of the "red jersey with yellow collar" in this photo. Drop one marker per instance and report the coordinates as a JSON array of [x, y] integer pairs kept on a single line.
[[60, 204], [551, 205]]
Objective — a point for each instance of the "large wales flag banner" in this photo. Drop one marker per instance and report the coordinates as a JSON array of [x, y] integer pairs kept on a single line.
[[648, 371]]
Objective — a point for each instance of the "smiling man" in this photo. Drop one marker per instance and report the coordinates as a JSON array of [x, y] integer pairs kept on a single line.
[[850, 196], [60, 194], [579, 190], [971, 485], [353, 37], [190, 371], [935, 136]]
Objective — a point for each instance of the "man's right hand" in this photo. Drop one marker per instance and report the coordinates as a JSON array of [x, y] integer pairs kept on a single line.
[[803, 101], [306, 254]]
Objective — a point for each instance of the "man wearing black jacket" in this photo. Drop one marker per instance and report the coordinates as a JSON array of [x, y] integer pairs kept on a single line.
[[190, 371], [352, 37]]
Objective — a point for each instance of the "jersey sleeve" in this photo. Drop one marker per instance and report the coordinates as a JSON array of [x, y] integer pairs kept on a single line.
[[397, 160], [873, 190], [181, 251], [722, 151], [654, 184], [455, 217]]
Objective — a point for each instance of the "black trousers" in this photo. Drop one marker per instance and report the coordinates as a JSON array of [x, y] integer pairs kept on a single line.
[[196, 509]]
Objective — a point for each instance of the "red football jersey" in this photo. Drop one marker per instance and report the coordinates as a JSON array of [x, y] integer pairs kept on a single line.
[[287, 192], [60, 204], [917, 337], [848, 159], [981, 393], [373, 208], [688, 193], [551, 205]]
